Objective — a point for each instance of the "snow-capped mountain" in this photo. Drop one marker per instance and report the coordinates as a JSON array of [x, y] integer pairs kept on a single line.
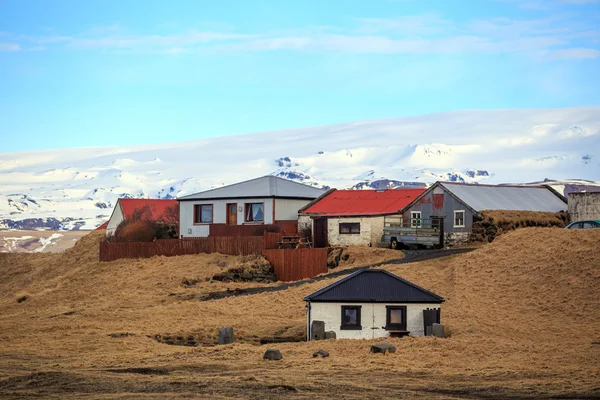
[[77, 188]]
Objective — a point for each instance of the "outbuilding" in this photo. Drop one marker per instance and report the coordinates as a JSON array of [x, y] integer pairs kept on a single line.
[[373, 303], [156, 210], [456, 204], [262, 201], [353, 217]]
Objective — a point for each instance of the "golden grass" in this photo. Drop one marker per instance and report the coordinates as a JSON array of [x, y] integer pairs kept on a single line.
[[523, 312], [493, 223]]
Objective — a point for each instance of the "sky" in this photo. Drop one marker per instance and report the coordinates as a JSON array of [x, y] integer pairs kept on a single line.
[[99, 73]]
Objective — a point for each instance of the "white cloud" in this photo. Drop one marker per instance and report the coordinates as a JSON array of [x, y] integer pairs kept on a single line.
[[9, 46]]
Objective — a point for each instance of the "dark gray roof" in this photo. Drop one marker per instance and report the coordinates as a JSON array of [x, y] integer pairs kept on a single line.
[[266, 186], [374, 286]]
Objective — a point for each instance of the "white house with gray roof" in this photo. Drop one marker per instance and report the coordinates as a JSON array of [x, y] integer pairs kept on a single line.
[[458, 203], [265, 200]]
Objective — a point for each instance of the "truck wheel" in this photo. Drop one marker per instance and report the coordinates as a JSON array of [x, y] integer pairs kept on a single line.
[[394, 244]]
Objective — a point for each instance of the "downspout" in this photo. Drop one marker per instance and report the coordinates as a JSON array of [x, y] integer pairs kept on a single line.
[[308, 333]]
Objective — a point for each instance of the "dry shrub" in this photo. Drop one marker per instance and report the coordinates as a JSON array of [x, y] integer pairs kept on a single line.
[[135, 231], [490, 224], [253, 268]]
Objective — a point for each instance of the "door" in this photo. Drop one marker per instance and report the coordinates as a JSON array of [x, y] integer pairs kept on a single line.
[[320, 232], [232, 214]]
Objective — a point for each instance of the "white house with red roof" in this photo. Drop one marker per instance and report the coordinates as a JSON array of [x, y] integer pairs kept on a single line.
[[353, 217], [156, 210]]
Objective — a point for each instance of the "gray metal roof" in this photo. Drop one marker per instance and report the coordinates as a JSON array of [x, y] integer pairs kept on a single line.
[[374, 286], [517, 198], [266, 186]]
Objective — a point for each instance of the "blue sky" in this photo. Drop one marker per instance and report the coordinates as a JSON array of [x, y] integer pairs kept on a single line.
[[92, 73]]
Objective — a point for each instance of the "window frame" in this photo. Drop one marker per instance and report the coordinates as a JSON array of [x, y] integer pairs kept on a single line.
[[413, 220], [246, 213], [349, 229], [463, 219], [351, 327], [395, 327], [198, 213]]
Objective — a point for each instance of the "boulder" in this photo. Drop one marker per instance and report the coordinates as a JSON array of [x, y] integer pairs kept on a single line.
[[226, 335], [330, 335], [437, 330], [383, 348], [272, 354], [321, 353], [317, 330]]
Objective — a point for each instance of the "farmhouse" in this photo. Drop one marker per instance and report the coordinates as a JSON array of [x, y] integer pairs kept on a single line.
[[159, 210], [353, 217], [260, 201], [456, 204], [372, 303]]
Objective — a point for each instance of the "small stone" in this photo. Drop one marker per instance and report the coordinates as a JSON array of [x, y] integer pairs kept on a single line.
[[330, 335], [383, 348], [317, 330], [437, 330], [272, 354], [226, 335], [321, 353]]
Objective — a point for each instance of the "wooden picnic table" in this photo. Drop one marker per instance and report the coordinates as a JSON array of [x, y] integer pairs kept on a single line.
[[293, 242]]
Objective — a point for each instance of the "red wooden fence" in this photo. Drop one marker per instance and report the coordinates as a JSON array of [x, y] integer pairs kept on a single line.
[[110, 251], [288, 264], [296, 264]]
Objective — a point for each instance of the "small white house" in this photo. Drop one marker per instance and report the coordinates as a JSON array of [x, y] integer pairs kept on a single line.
[[371, 303], [353, 217], [265, 200]]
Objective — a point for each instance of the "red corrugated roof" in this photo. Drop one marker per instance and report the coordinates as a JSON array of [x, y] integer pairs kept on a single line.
[[103, 226], [157, 207], [363, 202]]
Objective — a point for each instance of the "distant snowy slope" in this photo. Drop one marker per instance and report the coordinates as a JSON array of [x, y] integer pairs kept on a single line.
[[72, 188]]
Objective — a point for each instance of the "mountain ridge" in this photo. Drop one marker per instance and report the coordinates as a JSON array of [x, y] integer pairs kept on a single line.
[[79, 186]]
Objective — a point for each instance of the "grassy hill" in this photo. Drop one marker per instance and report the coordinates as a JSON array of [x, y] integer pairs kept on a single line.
[[522, 313]]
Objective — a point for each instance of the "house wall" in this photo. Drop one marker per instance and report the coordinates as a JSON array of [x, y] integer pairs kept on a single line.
[[115, 219], [371, 231], [373, 315], [304, 221], [585, 205], [187, 228], [440, 203], [287, 209]]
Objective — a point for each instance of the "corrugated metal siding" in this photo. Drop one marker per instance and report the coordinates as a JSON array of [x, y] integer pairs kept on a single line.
[[481, 197]]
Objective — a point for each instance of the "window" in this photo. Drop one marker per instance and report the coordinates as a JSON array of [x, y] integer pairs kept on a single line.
[[255, 212], [351, 318], [415, 219], [347, 228], [589, 224], [203, 213], [459, 219], [395, 318]]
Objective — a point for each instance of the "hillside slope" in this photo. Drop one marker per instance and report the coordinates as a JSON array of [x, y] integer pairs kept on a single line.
[[77, 188], [522, 312]]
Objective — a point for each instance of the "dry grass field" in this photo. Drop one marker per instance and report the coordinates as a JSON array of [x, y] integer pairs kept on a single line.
[[523, 313]]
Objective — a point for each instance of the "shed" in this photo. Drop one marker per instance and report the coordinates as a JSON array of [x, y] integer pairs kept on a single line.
[[159, 210], [261, 201], [345, 217], [371, 303], [458, 203]]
